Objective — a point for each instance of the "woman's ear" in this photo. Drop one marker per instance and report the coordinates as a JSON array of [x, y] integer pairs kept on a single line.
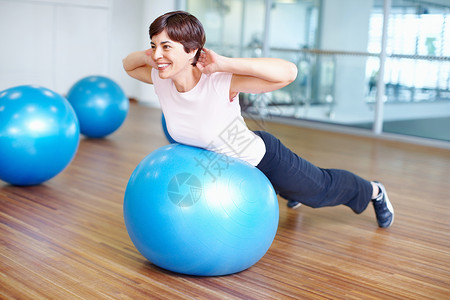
[[192, 53], [195, 55]]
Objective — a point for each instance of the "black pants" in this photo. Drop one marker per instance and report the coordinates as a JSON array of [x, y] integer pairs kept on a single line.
[[294, 178]]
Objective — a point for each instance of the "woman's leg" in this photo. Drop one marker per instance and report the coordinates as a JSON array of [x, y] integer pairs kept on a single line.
[[296, 179]]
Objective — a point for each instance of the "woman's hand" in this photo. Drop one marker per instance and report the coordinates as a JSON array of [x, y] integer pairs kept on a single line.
[[148, 59], [209, 61], [139, 65]]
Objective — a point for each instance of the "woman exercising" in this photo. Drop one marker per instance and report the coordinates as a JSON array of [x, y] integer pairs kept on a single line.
[[198, 92]]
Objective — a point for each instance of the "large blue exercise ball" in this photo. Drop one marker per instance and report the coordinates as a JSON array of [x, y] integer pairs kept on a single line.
[[100, 104], [166, 132], [196, 212], [39, 134]]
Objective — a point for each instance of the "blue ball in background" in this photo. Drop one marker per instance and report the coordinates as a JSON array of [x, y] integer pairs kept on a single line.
[[196, 212], [166, 132], [39, 134], [100, 104]]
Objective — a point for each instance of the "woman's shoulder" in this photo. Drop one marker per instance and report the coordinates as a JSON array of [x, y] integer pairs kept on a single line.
[[220, 75], [220, 81]]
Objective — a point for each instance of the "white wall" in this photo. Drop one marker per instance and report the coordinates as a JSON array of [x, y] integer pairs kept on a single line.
[[125, 35], [54, 43], [151, 9], [26, 51], [284, 16], [344, 27]]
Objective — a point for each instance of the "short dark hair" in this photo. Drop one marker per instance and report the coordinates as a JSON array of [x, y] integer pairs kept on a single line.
[[181, 27]]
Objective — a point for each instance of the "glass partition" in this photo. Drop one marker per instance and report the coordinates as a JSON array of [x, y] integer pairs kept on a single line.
[[234, 28], [417, 73], [337, 52]]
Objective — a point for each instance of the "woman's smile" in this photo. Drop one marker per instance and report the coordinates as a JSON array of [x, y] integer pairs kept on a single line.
[[163, 66]]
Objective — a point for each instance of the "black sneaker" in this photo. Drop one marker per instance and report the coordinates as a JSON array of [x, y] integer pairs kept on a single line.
[[383, 208], [293, 204]]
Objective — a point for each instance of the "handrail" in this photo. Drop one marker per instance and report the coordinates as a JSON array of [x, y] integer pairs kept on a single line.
[[356, 53]]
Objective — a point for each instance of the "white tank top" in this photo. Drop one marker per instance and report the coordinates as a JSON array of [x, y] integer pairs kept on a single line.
[[205, 117]]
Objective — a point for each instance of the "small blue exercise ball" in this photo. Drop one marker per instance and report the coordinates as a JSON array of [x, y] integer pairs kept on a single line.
[[196, 212], [39, 134], [100, 104], [166, 132]]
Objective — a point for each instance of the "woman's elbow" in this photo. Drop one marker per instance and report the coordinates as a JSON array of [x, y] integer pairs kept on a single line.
[[126, 64], [291, 73]]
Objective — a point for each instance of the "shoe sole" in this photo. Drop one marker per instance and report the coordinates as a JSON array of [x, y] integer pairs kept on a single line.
[[295, 206]]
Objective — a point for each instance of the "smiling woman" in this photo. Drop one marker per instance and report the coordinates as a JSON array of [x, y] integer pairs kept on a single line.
[[182, 28], [198, 93], [172, 60]]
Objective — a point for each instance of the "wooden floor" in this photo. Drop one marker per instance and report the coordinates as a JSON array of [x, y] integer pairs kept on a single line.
[[66, 239]]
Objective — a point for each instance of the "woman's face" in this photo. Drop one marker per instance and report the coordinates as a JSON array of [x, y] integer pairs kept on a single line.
[[170, 56]]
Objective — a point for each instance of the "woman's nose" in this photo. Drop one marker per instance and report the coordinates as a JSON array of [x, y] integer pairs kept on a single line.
[[157, 53]]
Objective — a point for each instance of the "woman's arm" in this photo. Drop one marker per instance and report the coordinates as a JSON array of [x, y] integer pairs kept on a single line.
[[250, 75], [139, 65]]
